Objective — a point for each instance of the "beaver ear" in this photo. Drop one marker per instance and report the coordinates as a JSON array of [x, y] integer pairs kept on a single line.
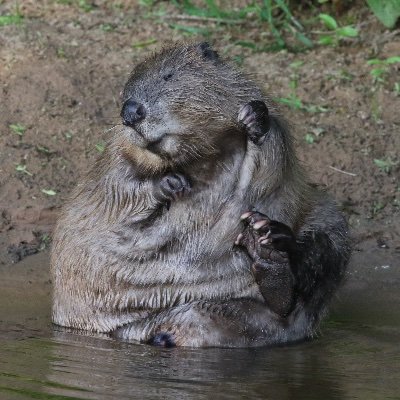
[[207, 52]]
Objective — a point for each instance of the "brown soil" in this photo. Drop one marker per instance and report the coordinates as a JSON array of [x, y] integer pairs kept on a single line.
[[61, 71]]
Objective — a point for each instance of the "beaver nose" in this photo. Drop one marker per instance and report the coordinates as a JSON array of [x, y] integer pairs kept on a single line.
[[132, 112]]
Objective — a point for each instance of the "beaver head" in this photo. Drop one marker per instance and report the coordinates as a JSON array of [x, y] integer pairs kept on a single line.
[[181, 105]]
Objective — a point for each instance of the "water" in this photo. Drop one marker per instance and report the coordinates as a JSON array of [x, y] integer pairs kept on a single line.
[[357, 356]]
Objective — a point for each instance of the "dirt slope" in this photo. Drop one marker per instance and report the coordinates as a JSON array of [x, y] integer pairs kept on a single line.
[[61, 71]]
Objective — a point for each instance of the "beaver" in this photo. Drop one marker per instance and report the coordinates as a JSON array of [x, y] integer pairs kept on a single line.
[[197, 226]]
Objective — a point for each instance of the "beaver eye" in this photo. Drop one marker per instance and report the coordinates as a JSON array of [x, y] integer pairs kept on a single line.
[[168, 76]]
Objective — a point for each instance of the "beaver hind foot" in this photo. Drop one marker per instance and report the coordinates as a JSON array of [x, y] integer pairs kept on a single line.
[[269, 243]]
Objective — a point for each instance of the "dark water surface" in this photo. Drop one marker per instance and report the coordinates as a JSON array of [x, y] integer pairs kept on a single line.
[[357, 356]]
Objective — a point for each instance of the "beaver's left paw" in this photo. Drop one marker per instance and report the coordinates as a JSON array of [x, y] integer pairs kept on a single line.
[[254, 116], [172, 187]]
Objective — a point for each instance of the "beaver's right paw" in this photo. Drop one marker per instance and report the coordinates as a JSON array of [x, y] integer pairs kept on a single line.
[[172, 187], [255, 118]]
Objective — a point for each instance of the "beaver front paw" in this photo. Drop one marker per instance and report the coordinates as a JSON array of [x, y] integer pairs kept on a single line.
[[254, 116], [172, 187]]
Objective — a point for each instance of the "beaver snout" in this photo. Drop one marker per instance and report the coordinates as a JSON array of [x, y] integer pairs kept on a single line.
[[132, 112]]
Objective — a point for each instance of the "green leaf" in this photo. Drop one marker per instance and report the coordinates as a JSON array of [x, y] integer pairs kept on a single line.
[[387, 11], [144, 43], [18, 129], [107, 27], [347, 31], [377, 72], [313, 108], [374, 61], [328, 21], [14, 19], [49, 192], [309, 138], [22, 168], [85, 5], [385, 165], [392, 60], [326, 40], [191, 9], [43, 149], [296, 64], [292, 102], [100, 147], [243, 43], [304, 39]]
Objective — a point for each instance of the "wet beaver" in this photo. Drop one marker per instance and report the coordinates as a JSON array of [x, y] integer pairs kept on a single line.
[[197, 225]]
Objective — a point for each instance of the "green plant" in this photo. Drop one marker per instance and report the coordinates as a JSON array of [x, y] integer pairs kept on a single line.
[[276, 13], [397, 88], [43, 150], [22, 168], [147, 3], [100, 147], [381, 67], [85, 5], [335, 33], [107, 27], [12, 19], [314, 135], [18, 129], [309, 138], [68, 136], [212, 10], [61, 52], [387, 11], [45, 241], [49, 192], [377, 206], [385, 165], [145, 43], [376, 109], [280, 18], [293, 100]]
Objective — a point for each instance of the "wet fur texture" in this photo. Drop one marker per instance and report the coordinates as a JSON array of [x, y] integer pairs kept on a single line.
[[138, 258]]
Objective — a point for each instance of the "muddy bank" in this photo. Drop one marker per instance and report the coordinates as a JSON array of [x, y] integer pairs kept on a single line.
[[62, 68]]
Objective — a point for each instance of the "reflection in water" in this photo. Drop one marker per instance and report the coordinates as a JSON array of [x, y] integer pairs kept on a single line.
[[350, 364], [352, 360], [131, 371]]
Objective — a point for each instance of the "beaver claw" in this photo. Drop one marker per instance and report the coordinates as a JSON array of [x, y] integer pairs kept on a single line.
[[265, 238], [254, 116], [173, 186]]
